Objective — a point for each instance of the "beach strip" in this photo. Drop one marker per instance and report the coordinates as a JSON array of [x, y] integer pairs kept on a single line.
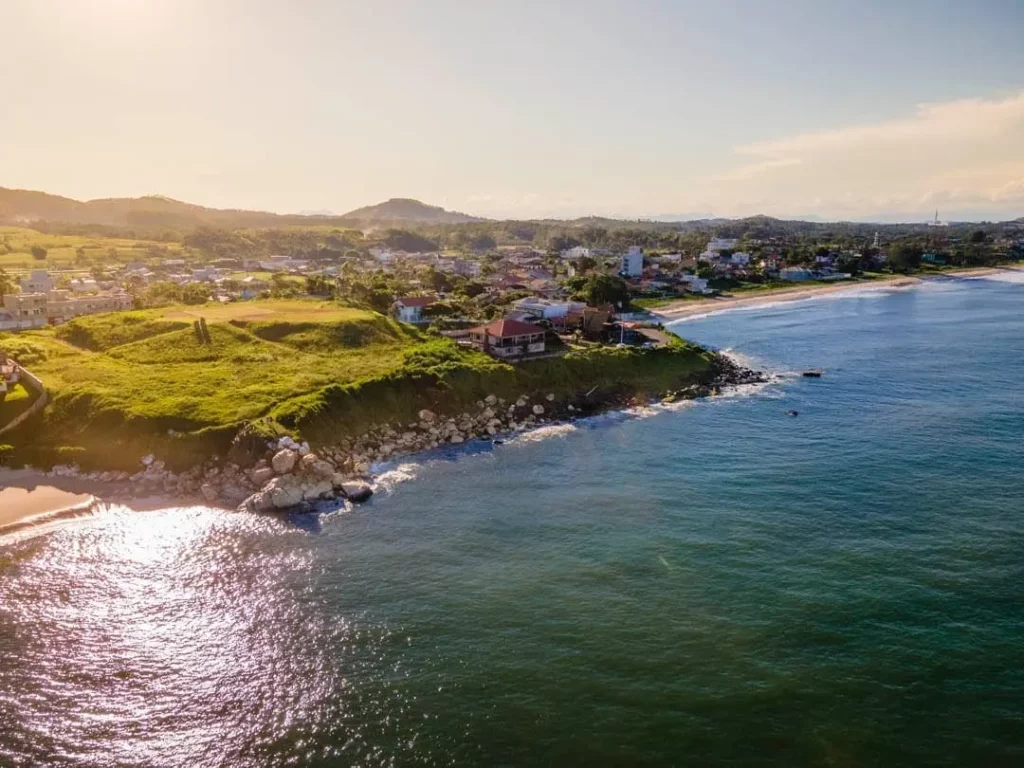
[[25, 498]]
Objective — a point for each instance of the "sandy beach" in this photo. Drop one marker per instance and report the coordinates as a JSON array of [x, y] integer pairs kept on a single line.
[[691, 307], [27, 495]]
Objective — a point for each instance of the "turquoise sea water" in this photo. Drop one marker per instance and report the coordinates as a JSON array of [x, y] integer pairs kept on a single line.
[[717, 583]]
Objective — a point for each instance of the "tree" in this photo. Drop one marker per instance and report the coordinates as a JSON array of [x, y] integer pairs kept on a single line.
[[195, 293], [585, 264], [6, 283], [605, 289], [80, 257], [38, 253], [905, 257], [482, 243]]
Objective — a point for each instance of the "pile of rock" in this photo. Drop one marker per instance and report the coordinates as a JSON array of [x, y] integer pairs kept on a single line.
[[492, 417], [298, 476], [290, 474]]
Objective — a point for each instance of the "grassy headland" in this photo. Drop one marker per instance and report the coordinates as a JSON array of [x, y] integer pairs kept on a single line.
[[124, 385]]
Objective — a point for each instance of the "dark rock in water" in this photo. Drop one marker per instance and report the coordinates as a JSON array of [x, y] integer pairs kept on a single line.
[[498, 442], [793, 413], [357, 490]]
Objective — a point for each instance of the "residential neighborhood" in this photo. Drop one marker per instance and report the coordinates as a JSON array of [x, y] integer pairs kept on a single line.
[[456, 285]]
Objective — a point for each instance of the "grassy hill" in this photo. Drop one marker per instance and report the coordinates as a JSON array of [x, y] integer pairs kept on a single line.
[[127, 384]]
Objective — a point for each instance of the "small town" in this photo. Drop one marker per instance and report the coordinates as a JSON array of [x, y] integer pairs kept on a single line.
[[513, 301]]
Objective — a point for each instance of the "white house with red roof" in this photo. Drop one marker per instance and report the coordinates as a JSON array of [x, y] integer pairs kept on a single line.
[[409, 309], [508, 338]]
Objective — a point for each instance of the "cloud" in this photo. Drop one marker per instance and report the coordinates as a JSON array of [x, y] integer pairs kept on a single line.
[[966, 154]]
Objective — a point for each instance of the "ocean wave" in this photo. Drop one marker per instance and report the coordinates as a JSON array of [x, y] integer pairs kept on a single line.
[[389, 475]]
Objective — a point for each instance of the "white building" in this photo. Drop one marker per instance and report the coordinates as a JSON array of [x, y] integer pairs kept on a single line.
[[575, 253], [719, 244], [283, 264], [694, 284], [38, 281], [84, 285], [632, 262], [409, 309], [546, 308]]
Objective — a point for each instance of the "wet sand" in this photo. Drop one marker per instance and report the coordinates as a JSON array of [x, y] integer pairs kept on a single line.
[[26, 495], [692, 307], [699, 307]]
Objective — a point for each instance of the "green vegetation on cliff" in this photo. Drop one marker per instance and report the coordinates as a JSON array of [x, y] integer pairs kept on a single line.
[[124, 385]]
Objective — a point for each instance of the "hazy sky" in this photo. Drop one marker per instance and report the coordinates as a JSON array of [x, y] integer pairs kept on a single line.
[[835, 109]]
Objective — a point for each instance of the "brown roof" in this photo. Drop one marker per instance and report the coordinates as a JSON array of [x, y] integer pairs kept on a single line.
[[505, 328], [417, 301]]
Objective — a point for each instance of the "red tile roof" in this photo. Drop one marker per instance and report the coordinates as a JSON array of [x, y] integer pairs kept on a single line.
[[505, 328]]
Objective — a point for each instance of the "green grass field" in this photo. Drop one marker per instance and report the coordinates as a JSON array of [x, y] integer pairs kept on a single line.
[[126, 384], [16, 245]]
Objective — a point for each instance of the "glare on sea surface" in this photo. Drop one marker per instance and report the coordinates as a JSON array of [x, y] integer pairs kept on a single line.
[[172, 621]]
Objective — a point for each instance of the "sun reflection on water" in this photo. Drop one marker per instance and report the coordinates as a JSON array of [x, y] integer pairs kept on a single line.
[[147, 635]]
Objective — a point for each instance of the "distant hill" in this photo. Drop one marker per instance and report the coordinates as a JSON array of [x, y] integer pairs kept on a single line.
[[399, 209], [22, 206]]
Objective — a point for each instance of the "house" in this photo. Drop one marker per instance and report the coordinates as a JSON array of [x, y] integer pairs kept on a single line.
[[409, 309], [632, 263], [719, 244], [573, 254], [466, 268], [34, 310], [38, 281], [694, 284], [933, 258], [795, 273], [84, 285], [283, 264], [508, 338], [546, 309]]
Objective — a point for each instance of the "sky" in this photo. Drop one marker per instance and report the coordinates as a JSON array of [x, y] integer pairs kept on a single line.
[[793, 108]]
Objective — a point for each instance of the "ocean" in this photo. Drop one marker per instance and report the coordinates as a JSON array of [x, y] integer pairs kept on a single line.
[[709, 583]]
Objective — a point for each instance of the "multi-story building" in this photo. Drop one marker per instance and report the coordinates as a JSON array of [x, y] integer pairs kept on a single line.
[[34, 310], [632, 264]]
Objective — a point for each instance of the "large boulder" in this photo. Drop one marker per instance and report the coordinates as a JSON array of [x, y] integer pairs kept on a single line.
[[426, 415], [356, 490], [261, 476], [284, 461], [317, 467], [283, 492], [538, 409], [209, 492]]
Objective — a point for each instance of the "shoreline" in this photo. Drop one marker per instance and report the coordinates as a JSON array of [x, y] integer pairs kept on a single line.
[[294, 477], [688, 308], [29, 497]]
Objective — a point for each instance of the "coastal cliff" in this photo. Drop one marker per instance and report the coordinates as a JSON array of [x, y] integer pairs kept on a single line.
[[425, 393]]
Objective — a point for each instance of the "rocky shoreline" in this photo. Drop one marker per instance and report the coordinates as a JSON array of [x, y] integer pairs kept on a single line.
[[283, 474]]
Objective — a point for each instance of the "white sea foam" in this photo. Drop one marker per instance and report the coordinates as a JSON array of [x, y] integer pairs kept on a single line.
[[1002, 276], [388, 475], [861, 292]]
